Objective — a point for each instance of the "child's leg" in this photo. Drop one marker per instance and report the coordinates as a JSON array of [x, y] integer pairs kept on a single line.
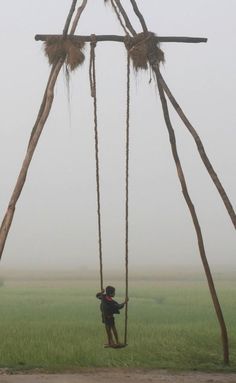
[[109, 335], [113, 328]]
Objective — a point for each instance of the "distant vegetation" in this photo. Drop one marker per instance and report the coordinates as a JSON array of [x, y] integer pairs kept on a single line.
[[56, 325]]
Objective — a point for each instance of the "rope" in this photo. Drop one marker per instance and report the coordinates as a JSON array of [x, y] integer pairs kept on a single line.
[[93, 87], [127, 199]]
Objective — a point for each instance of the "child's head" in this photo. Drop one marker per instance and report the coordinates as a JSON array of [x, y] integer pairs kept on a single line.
[[110, 291]]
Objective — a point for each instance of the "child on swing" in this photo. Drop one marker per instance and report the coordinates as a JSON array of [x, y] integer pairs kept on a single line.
[[109, 307]]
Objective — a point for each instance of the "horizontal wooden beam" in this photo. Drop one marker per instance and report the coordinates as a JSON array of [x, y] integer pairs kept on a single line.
[[116, 38]]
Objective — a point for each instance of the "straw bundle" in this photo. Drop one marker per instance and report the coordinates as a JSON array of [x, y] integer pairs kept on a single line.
[[69, 49], [142, 49]]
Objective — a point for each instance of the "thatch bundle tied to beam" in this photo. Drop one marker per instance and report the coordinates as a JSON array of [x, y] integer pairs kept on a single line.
[[142, 49], [58, 47]]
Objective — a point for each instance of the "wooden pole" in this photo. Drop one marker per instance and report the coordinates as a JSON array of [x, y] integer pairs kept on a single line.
[[35, 134], [188, 200], [47, 103], [118, 15], [139, 15], [121, 39], [201, 149], [77, 17], [126, 18], [69, 17]]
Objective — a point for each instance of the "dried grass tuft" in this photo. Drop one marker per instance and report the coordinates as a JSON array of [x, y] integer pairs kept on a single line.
[[75, 56], [54, 49], [68, 49], [143, 49]]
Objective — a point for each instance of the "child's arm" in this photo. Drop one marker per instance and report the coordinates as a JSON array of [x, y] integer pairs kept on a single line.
[[121, 305], [100, 294]]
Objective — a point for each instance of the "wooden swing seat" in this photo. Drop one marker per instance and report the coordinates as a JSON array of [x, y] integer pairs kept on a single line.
[[116, 346]]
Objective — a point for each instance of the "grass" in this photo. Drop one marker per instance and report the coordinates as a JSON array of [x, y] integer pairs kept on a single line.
[[57, 326]]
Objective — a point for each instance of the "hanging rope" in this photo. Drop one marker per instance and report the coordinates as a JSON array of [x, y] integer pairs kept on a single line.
[[93, 88], [92, 78], [127, 199]]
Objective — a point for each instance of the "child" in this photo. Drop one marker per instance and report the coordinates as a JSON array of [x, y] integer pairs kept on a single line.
[[109, 307]]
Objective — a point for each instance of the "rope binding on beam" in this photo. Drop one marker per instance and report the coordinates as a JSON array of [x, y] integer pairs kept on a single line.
[[144, 48]]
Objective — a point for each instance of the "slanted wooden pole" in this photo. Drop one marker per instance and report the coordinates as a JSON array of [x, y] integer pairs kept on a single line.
[[77, 17], [139, 15], [189, 202], [35, 135], [69, 17], [37, 130], [128, 24], [200, 148]]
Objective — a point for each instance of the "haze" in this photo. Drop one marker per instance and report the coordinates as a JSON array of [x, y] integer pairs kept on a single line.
[[55, 223]]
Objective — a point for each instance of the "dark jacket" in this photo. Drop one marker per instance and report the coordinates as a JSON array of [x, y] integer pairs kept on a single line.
[[108, 306]]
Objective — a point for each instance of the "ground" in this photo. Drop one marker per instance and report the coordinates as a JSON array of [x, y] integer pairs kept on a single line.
[[118, 376]]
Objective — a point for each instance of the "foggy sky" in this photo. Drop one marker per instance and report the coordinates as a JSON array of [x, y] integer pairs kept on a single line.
[[55, 223]]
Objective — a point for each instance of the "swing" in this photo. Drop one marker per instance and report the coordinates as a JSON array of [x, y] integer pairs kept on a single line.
[[93, 88], [143, 49]]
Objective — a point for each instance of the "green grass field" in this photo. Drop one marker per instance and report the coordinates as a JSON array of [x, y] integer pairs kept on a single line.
[[56, 325]]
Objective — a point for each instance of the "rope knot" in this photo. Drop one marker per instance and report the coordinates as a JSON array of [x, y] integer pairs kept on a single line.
[[143, 49], [93, 40]]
